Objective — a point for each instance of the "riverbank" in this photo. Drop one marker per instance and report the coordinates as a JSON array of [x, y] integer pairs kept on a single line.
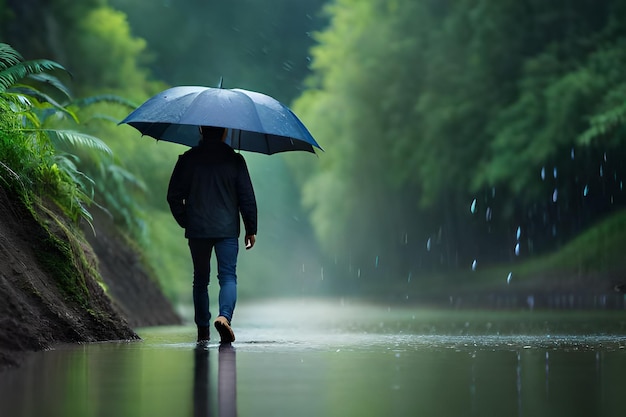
[[52, 283], [586, 273]]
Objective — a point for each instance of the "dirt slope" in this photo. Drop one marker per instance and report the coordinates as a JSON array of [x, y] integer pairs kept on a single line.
[[38, 311], [129, 281]]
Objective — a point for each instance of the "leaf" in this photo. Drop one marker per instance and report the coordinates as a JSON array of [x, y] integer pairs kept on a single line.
[[52, 81], [8, 56], [25, 90], [105, 98], [123, 175], [77, 139], [603, 124], [20, 70]]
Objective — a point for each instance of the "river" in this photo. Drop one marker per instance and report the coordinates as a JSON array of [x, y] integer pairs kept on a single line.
[[338, 358]]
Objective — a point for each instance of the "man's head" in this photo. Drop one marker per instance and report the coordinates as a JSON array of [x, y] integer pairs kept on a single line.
[[210, 133]]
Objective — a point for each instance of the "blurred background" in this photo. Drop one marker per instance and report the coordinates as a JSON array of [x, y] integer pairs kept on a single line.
[[473, 149]]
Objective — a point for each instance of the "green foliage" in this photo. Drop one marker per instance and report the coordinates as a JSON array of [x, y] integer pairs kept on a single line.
[[110, 58], [251, 44], [27, 150], [423, 107], [593, 252], [13, 67], [33, 151], [551, 116]]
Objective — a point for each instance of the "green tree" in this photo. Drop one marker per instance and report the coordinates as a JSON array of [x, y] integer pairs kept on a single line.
[[250, 44], [438, 117]]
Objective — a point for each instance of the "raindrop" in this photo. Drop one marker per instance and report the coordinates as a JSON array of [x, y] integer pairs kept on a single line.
[[474, 265], [508, 278], [572, 153], [604, 156], [488, 214], [554, 173], [554, 230], [288, 65], [303, 268], [428, 245], [358, 273], [519, 232], [517, 249], [406, 238], [543, 173], [601, 171], [409, 278], [376, 262], [586, 191], [493, 192], [473, 207], [555, 195]]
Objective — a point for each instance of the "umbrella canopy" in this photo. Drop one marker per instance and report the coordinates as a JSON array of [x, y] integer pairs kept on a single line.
[[256, 122]]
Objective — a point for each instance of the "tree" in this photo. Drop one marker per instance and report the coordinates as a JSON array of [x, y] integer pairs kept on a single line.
[[250, 44], [438, 117]]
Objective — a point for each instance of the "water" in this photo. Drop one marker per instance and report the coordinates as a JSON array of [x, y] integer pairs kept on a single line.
[[331, 358]]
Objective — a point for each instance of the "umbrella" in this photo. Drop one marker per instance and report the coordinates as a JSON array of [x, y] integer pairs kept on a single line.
[[256, 122]]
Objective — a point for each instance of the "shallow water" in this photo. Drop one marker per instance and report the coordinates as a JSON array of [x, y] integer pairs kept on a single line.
[[331, 358]]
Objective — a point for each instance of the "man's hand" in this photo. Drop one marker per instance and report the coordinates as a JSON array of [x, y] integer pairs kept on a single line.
[[250, 241]]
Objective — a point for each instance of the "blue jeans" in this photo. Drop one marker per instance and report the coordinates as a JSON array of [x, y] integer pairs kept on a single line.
[[226, 251]]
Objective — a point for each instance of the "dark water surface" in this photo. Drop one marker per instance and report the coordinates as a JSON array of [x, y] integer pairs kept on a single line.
[[329, 358]]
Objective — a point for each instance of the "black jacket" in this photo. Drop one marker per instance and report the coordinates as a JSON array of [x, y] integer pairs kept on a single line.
[[209, 187]]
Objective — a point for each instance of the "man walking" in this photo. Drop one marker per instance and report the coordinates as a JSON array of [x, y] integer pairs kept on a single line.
[[209, 188]]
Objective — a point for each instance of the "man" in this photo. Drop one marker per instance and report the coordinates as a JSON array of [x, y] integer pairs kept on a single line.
[[209, 188]]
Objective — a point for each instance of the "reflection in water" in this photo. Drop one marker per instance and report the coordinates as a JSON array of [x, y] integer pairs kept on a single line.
[[201, 382], [227, 381], [226, 386], [351, 361]]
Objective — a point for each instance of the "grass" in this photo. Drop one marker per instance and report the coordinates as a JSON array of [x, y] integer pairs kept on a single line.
[[593, 261]]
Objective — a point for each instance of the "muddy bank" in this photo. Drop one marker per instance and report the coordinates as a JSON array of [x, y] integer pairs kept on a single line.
[[52, 280], [129, 280]]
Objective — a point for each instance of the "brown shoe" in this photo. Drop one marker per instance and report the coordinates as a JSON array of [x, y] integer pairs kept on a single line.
[[223, 328]]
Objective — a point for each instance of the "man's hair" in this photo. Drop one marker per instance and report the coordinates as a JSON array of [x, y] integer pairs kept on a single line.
[[212, 132]]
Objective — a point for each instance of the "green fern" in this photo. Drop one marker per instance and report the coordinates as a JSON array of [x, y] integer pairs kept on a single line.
[[77, 139], [8, 56], [80, 194], [42, 102], [19, 71], [49, 80], [604, 124], [35, 146], [105, 98]]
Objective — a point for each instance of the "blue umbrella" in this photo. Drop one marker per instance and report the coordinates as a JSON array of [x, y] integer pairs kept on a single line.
[[256, 122]]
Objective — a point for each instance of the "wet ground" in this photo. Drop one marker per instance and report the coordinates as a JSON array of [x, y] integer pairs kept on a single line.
[[333, 358]]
